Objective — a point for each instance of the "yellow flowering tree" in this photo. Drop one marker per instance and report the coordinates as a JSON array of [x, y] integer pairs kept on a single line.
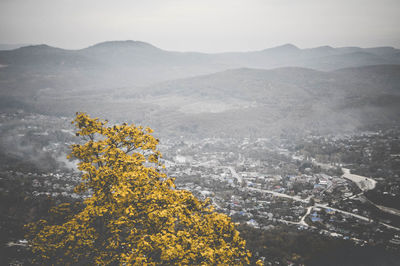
[[134, 215]]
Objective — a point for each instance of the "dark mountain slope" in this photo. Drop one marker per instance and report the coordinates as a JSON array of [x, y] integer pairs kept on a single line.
[[257, 102]]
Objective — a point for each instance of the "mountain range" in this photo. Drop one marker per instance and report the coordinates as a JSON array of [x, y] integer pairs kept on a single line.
[[128, 63], [273, 91]]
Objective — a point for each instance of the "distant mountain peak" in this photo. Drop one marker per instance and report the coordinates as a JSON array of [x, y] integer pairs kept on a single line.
[[324, 47], [122, 44], [39, 48], [287, 46]]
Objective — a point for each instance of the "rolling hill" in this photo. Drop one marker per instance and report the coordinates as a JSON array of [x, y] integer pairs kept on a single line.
[[259, 93], [245, 102], [118, 64]]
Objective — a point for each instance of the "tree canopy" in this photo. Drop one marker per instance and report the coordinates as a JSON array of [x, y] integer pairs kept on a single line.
[[134, 214]]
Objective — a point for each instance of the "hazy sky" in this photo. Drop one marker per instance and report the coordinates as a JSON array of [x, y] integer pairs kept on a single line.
[[202, 25]]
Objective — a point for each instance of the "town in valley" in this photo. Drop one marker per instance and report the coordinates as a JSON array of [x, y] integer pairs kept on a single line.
[[323, 185]]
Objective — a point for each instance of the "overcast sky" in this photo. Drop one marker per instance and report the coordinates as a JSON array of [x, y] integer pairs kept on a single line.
[[202, 25]]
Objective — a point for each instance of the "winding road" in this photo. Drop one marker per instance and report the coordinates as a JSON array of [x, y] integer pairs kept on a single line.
[[324, 206], [364, 183]]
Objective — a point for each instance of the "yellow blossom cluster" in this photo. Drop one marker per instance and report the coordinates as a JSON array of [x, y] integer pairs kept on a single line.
[[134, 215]]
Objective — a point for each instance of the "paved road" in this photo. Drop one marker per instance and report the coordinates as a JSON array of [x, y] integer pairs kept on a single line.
[[279, 194], [344, 212], [302, 222]]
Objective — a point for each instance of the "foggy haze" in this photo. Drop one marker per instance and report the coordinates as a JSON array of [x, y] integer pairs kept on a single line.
[[284, 113], [205, 26]]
